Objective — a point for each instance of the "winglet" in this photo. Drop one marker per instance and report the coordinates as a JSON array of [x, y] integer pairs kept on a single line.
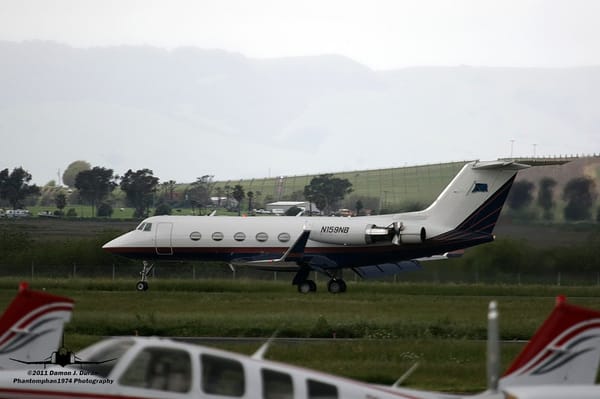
[[296, 251]]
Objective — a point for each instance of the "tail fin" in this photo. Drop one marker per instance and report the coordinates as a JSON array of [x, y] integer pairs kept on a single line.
[[31, 328], [474, 198], [564, 350]]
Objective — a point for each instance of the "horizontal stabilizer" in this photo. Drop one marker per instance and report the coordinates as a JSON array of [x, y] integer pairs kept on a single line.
[[386, 269]]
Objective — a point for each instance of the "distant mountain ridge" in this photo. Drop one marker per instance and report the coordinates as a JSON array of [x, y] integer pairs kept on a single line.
[[189, 112]]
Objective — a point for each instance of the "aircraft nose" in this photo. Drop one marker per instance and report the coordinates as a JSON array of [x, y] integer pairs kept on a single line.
[[109, 246], [113, 245]]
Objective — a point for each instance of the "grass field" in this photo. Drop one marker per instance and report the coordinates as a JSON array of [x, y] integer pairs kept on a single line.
[[380, 329]]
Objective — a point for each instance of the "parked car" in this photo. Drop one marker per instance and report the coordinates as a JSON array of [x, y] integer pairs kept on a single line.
[[17, 213]]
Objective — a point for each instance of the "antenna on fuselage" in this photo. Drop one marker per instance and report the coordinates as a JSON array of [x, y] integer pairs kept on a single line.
[[493, 348], [404, 376], [260, 352]]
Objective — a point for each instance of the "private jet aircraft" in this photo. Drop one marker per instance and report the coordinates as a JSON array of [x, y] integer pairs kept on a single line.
[[463, 215], [561, 360], [31, 327]]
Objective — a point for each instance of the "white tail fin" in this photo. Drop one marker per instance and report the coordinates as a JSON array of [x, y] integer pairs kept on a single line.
[[564, 350], [31, 328], [474, 198]]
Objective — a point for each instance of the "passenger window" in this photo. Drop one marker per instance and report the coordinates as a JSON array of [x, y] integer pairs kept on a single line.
[[217, 236], [321, 390], [283, 237], [195, 236], [276, 385], [161, 369], [221, 376], [262, 237], [239, 236]]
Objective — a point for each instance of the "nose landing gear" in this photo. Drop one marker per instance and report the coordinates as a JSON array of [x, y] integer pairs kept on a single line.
[[142, 285]]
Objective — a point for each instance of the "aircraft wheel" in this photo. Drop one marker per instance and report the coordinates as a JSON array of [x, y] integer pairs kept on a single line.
[[336, 286], [141, 286], [307, 286]]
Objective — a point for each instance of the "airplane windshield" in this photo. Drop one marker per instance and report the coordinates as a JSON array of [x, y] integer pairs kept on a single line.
[[105, 354], [145, 226]]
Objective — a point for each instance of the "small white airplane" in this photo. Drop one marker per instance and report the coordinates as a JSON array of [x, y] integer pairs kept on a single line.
[[560, 360], [31, 328], [463, 215]]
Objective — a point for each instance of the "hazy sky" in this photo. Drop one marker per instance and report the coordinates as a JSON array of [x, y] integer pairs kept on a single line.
[[382, 34]]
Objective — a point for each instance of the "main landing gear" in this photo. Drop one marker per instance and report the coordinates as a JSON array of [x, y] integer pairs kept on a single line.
[[335, 285], [142, 285], [307, 286]]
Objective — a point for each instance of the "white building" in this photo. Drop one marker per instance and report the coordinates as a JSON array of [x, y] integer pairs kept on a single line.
[[280, 207]]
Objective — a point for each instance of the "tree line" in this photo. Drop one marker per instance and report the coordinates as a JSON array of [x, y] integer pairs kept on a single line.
[[142, 191], [579, 196]]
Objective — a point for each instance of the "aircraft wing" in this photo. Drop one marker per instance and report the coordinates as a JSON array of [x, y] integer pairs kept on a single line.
[[31, 362], [446, 255], [386, 269], [389, 269], [294, 254]]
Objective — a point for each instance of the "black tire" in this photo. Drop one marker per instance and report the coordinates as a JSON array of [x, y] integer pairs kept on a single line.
[[304, 287], [313, 285], [141, 286], [334, 286]]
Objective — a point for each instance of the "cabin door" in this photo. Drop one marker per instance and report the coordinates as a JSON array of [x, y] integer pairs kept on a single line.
[[162, 240]]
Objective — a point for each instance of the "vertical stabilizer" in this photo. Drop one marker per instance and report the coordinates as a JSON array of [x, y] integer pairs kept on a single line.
[[31, 328], [564, 350], [474, 198]]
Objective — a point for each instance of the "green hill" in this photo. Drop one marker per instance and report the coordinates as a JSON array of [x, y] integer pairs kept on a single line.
[[406, 187], [394, 187]]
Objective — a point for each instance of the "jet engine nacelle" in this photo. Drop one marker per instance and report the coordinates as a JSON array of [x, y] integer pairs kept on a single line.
[[356, 232], [412, 235]]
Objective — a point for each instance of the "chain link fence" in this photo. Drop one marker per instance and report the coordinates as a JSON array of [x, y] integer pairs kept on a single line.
[[198, 271]]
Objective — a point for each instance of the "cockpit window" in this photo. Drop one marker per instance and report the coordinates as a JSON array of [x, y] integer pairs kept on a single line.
[[106, 357], [145, 226], [163, 369]]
